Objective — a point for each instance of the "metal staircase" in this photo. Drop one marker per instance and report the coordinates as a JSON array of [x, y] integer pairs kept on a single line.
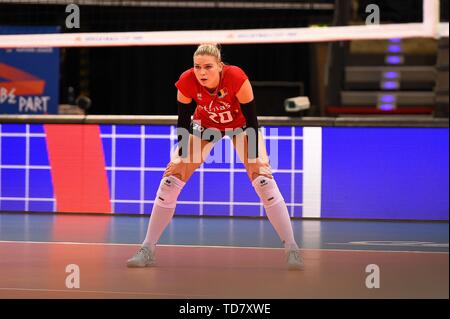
[[441, 88], [386, 77]]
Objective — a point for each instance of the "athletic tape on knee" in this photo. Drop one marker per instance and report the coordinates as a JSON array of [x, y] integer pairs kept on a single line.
[[168, 191], [267, 190]]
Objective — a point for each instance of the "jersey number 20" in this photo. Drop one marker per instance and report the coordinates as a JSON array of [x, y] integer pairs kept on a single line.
[[224, 117]]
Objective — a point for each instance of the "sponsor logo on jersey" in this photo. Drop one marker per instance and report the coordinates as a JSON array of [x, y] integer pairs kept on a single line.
[[224, 105]]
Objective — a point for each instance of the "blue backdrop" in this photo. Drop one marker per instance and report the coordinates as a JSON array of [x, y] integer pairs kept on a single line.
[[380, 173], [389, 173]]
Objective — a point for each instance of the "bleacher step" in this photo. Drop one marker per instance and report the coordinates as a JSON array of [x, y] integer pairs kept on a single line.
[[408, 98]]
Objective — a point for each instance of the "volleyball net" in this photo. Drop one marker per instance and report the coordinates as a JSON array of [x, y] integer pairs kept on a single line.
[[430, 26], [107, 49]]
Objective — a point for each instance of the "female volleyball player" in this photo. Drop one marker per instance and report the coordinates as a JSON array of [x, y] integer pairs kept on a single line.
[[221, 99]]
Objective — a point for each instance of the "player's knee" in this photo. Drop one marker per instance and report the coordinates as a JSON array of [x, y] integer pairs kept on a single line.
[[176, 169], [267, 189], [168, 191], [260, 170], [178, 176]]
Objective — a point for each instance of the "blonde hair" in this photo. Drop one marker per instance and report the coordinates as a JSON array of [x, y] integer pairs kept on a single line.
[[209, 49]]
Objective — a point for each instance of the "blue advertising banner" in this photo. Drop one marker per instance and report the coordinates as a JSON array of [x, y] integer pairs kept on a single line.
[[385, 173], [330, 172], [29, 77]]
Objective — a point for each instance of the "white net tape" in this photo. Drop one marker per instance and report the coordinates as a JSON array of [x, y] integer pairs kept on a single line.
[[429, 28]]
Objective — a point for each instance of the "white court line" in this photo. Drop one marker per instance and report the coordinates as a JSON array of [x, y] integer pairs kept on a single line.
[[29, 199], [430, 244], [47, 167], [153, 169], [137, 136], [100, 291], [232, 170], [264, 138], [185, 202], [165, 136], [23, 134], [202, 187], [162, 169], [113, 171], [142, 172], [222, 247], [0, 166], [27, 164], [312, 175], [138, 201], [293, 169]]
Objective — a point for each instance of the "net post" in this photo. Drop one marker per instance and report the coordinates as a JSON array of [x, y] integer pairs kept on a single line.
[[431, 17]]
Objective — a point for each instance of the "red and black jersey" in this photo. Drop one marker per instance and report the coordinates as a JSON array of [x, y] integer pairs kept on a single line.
[[220, 110]]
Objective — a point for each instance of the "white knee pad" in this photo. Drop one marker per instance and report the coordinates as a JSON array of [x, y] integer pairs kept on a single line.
[[267, 190], [168, 191]]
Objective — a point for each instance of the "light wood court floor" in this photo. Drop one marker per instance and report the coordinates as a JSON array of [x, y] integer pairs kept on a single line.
[[38, 270]]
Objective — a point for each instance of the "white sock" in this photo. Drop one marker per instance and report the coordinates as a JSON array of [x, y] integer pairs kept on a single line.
[[159, 220], [163, 209], [279, 218], [276, 210]]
